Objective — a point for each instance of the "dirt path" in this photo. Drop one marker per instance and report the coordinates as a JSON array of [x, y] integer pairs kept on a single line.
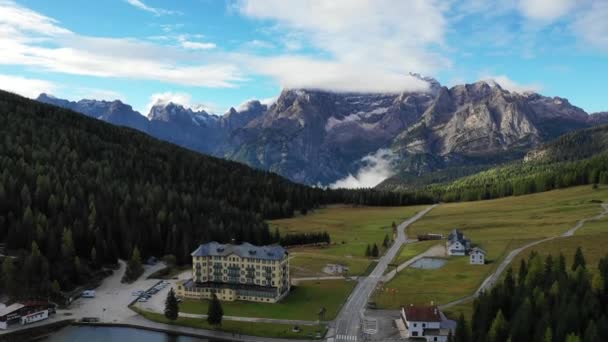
[[493, 278]]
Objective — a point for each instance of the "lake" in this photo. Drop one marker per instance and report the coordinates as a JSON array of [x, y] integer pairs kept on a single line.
[[106, 334]]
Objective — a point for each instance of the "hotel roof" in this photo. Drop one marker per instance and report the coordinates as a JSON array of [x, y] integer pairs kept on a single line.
[[245, 250]]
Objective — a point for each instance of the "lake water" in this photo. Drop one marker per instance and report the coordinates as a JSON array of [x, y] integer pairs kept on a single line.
[[428, 263], [107, 334]]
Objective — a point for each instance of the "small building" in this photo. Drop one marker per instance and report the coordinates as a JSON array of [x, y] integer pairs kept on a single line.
[[32, 310], [426, 323], [457, 243], [10, 314], [238, 272], [477, 256]]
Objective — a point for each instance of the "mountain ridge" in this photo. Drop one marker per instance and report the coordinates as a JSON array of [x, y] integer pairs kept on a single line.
[[319, 137]]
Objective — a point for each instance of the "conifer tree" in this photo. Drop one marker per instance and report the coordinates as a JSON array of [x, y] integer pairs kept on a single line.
[[462, 333], [368, 251], [579, 259], [498, 330], [375, 251], [215, 313], [171, 306]]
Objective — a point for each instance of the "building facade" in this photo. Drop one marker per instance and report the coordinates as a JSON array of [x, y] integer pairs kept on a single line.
[[238, 272], [457, 243], [477, 256], [427, 323]]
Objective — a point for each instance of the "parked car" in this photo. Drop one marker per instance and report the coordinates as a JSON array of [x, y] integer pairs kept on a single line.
[[142, 299]]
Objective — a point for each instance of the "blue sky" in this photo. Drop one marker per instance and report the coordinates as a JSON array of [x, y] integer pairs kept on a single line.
[[222, 53]]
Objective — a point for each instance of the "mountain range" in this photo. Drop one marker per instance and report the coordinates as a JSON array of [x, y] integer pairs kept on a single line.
[[359, 139]]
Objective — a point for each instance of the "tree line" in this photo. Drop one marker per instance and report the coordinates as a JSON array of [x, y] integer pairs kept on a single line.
[[546, 300], [294, 239]]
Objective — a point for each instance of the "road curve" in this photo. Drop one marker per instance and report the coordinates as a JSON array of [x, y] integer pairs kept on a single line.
[[351, 315], [493, 278]]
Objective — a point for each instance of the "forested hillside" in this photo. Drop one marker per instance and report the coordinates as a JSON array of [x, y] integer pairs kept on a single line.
[[573, 159], [77, 193], [546, 301]]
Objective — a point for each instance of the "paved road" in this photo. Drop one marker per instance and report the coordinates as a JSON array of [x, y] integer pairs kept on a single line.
[[493, 278], [349, 320]]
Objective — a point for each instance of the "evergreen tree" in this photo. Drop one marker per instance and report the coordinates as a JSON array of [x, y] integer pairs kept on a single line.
[[9, 276], [215, 313], [572, 338], [591, 333], [548, 335], [368, 251], [498, 330], [134, 267], [579, 259], [171, 306], [386, 241], [463, 333], [375, 251]]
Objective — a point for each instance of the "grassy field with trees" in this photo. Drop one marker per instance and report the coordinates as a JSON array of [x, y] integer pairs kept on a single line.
[[248, 328], [497, 226], [351, 229]]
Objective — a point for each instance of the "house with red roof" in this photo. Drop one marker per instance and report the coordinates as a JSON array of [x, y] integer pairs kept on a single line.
[[426, 323]]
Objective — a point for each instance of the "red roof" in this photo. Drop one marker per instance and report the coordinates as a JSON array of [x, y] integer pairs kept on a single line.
[[422, 313]]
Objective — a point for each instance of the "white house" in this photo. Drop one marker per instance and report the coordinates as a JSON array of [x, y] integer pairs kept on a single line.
[[457, 243], [477, 256], [426, 322]]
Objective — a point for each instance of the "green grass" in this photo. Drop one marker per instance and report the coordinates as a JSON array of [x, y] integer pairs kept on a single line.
[[351, 230], [498, 226], [464, 308], [244, 328], [303, 303], [310, 263]]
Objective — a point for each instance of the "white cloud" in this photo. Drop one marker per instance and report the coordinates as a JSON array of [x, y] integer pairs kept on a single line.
[[302, 72], [368, 45], [27, 87], [197, 45], [510, 85], [377, 167], [30, 39], [259, 44], [592, 25], [546, 10], [142, 6]]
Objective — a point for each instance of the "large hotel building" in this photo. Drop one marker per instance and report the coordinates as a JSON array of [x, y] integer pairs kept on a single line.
[[238, 272]]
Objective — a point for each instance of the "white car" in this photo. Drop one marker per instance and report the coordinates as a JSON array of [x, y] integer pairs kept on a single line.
[[142, 299]]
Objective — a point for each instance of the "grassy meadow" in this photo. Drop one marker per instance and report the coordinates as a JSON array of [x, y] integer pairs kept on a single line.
[[350, 228], [498, 226], [302, 303], [243, 328]]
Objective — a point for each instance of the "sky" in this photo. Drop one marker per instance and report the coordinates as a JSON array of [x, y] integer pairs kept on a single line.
[[217, 54]]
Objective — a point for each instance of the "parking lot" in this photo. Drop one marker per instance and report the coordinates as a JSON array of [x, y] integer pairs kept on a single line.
[[156, 302]]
